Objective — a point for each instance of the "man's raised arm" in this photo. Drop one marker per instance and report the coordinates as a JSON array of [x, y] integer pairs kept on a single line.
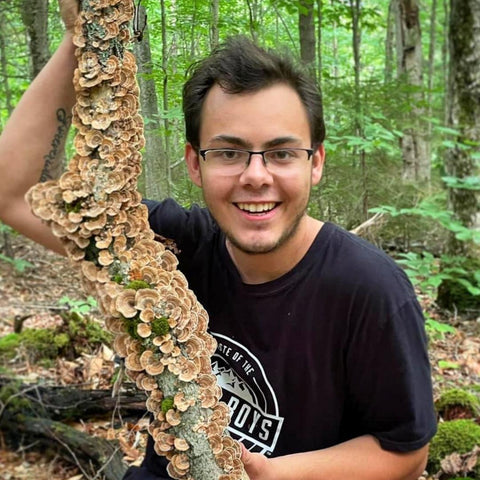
[[32, 142]]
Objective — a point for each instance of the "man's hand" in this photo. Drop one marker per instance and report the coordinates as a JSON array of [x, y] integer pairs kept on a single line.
[[256, 465], [69, 13]]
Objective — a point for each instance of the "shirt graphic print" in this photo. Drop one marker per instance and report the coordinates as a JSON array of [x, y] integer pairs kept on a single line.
[[254, 411]]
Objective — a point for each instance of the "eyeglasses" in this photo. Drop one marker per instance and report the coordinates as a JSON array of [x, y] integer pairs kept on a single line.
[[232, 161]]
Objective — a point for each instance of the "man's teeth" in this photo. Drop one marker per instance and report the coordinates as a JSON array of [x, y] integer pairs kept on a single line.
[[256, 207]]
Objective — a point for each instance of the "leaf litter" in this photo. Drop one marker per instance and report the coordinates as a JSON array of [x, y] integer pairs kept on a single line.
[[32, 298]]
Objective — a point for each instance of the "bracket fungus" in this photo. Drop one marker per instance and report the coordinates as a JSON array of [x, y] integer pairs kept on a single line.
[[96, 211]]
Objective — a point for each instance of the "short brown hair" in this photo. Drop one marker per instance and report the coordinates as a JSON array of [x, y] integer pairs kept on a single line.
[[240, 66]]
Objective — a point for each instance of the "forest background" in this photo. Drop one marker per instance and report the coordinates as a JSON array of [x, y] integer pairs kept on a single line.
[[398, 142], [400, 81]]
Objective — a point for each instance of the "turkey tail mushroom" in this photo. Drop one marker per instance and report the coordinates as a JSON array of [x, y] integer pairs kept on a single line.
[[96, 211]]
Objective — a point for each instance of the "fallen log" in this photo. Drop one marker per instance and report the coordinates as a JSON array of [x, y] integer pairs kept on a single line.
[[94, 456], [32, 415], [70, 403]]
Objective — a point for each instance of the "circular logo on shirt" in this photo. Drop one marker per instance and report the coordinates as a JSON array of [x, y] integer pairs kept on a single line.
[[254, 412]]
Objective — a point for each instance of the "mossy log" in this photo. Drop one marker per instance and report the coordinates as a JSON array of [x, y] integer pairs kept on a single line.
[[70, 403], [91, 454]]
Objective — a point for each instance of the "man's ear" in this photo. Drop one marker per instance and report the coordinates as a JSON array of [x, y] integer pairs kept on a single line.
[[318, 161], [192, 159]]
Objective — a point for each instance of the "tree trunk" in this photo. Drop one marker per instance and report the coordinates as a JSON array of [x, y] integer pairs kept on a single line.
[[192, 31], [166, 122], [446, 12], [464, 110], [35, 19], [319, 44], [463, 102], [214, 24], [431, 64], [389, 41], [306, 28], [253, 9], [416, 163], [154, 158], [334, 48], [355, 9]]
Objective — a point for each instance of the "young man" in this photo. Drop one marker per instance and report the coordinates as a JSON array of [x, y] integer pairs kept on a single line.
[[321, 346]]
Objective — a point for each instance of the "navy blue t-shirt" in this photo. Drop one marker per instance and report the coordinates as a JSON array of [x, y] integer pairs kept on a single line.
[[332, 350]]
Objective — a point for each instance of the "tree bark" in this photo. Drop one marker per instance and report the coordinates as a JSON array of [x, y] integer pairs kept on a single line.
[[214, 5], [34, 414], [154, 158], [355, 9], [92, 455], [71, 402], [253, 15], [389, 42], [416, 162], [35, 19], [166, 121], [306, 29], [319, 44], [446, 12], [431, 65], [464, 110]]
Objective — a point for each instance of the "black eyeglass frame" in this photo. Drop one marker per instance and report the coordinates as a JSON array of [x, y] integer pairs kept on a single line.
[[203, 152]]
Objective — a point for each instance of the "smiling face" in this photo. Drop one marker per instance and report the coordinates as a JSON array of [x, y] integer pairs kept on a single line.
[[259, 211]]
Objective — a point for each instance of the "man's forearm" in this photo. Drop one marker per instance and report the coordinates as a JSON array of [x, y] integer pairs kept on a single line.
[[360, 459], [36, 131], [32, 143]]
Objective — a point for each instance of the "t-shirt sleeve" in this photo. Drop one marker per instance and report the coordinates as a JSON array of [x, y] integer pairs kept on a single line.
[[188, 228], [389, 380]]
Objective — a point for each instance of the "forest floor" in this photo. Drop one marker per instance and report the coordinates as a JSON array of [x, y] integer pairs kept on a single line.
[[35, 294]]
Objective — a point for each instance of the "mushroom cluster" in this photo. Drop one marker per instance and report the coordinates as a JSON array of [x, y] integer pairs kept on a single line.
[[94, 208]]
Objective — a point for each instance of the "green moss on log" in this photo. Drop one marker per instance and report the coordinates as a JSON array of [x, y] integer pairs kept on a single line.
[[456, 436], [457, 397]]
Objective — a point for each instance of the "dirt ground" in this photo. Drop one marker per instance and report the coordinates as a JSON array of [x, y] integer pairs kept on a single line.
[[34, 295]]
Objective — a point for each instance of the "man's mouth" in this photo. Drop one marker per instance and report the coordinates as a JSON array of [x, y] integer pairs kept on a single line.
[[256, 207]]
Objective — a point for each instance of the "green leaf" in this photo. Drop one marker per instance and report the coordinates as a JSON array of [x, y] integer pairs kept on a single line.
[[446, 365]]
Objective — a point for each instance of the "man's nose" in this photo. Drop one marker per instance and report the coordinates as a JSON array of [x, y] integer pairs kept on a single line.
[[256, 172]]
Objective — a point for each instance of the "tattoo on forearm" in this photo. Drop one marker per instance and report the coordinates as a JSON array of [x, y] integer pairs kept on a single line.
[[53, 157]]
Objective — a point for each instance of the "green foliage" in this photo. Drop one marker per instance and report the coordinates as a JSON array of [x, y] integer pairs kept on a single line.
[[80, 307], [429, 272], [458, 397], [436, 330], [435, 274], [458, 436], [431, 208], [19, 264]]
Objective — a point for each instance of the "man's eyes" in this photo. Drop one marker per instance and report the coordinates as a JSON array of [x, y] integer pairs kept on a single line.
[[281, 154], [228, 154]]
